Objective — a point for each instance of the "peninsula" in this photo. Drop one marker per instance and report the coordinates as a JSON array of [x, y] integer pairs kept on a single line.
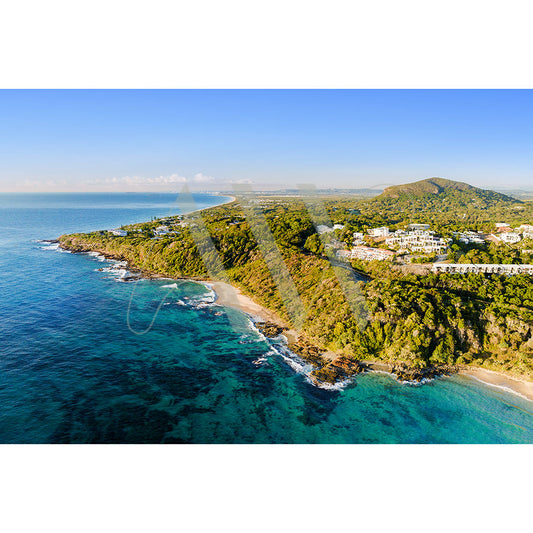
[[360, 282]]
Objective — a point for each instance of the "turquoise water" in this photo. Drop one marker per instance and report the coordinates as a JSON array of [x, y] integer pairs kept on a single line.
[[72, 371]]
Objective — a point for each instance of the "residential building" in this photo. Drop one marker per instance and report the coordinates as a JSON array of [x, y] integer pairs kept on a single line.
[[358, 238], [321, 228], [162, 230], [419, 227], [470, 237], [510, 237], [524, 228], [366, 254], [418, 241], [503, 227], [118, 232], [379, 232]]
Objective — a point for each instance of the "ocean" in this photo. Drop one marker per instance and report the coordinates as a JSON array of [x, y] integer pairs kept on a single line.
[[88, 358]]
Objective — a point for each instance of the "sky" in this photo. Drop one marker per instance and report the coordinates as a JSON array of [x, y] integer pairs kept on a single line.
[[159, 140]]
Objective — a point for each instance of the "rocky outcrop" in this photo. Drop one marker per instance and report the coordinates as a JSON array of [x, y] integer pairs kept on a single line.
[[404, 372], [338, 370], [270, 329], [308, 352]]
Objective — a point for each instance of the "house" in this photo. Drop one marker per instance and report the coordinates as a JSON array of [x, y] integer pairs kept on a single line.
[[470, 237], [366, 254], [161, 230], [118, 232], [510, 237], [358, 238], [338, 226], [379, 232], [502, 227], [419, 227], [525, 228], [321, 229], [418, 241]]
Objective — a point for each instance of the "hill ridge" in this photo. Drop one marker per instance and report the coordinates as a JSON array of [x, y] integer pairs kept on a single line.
[[437, 186]]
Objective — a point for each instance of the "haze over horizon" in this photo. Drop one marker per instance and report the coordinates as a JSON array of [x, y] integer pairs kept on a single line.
[[150, 140]]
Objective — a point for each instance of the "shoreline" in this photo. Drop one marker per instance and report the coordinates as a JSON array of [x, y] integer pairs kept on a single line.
[[492, 378], [230, 296], [500, 380]]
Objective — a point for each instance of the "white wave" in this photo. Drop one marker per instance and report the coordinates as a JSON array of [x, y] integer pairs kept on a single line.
[[501, 387], [170, 286], [211, 296], [300, 366], [253, 328], [52, 246], [294, 361], [95, 255], [263, 358], [340, 385], [413, 383]]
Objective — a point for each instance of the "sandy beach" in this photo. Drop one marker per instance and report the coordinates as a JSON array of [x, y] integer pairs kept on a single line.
[[231, 296], [504, 381]]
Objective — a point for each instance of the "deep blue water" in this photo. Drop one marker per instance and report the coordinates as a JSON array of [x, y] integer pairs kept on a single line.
[[72, 370]]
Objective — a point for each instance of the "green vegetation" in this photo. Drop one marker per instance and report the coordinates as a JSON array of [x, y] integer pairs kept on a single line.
[[506, 254], [447, 205], [423, 321]]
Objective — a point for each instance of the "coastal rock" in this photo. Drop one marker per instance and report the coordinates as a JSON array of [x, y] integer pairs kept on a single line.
[[404, 372], [338, 370], [308, 352], [269, 329]]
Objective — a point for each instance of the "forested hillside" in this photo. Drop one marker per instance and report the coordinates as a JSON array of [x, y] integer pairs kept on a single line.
[[419, 320]]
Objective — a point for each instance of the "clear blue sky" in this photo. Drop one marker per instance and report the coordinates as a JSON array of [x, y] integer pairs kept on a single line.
[[143, 140]]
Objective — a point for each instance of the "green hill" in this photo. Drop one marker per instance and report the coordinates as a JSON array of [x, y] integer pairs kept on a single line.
[[442, 201], [445, 188]]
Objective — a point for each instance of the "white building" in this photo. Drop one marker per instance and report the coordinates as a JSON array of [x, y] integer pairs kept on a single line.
[[366, 254], [418, 241], [162, 230], [321, 228], [118, 232], [510, 237], [524, 228], [338, 226], [358, 238], [470, 237], [419, 227], [379, 232]]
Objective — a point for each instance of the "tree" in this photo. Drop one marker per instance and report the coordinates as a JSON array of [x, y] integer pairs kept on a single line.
[[314, 245]]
